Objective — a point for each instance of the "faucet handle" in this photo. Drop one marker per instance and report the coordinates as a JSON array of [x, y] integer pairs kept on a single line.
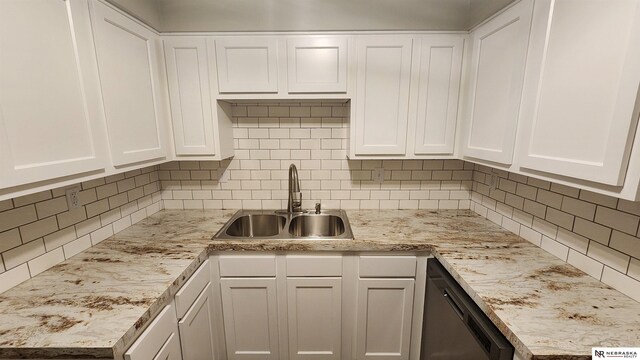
[[318, 205]]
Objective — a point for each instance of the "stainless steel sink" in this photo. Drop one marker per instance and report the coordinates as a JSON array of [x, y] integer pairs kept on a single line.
[[316, 225], [275, 225], [256, 225]]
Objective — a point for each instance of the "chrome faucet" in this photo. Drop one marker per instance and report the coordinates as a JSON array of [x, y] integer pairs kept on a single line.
[[295, 196]]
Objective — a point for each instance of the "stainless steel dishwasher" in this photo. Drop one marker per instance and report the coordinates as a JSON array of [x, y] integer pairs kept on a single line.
[[454, 328]]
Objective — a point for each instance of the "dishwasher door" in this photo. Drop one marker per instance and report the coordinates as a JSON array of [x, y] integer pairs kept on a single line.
[[454, 328]]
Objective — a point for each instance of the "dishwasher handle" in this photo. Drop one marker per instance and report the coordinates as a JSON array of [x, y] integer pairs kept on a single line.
[[453, 303]]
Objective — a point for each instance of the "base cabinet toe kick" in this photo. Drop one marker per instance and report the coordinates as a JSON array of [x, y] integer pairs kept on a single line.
[[239, 306]]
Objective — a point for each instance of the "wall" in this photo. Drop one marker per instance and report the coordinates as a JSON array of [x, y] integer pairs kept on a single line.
[[38, 231], [147, 11], [598, 234], [270, 136], [323, 15]]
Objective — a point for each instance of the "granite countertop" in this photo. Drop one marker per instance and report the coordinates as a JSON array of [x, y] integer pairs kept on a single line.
[[96, 303]]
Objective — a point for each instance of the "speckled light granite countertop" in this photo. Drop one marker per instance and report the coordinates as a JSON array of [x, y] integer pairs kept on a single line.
[[98, 302]]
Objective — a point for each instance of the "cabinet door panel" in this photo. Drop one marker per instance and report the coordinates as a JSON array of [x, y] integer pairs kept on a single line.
[[250, 318], [382, 95], [314, 316], [156, 340], [317, 64], [191, 111], [440, 70], [497, 72], [247, 65], [128, 62], [49, 98], [170, 350], [581, 89], [385, 308], [196, 328]]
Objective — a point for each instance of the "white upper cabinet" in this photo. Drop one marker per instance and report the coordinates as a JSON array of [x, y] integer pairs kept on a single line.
[[581, 88], [499, 49], [247, 64], [439, 73], [382, 95], [129, 61], [191, 110], [49, 100], [317, 64]]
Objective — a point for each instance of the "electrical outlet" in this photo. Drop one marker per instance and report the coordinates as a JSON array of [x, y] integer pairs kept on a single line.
[[73, 199], [378, 175], [223, 175]]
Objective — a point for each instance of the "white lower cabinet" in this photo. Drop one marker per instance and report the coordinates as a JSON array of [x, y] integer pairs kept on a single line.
[[250, 315], [319, 306], [385, 315], [196, 329], [194, 309], [314, 311], [184, 329], [160, 341]]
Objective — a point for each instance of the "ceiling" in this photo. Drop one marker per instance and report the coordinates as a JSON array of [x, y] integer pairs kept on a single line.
[[310, 15]]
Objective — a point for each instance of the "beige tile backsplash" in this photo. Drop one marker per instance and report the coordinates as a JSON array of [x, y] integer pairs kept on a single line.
[[597, 234], [270, 137], [38, 231]]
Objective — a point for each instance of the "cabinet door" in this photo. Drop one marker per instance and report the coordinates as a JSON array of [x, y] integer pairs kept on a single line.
[[497, 72], [382, 94], [49, 92], [315, 318], [247, 64], [128, 59], [438, 91], [581, 89], [196, 328], [317, 64], [191, 110], [250, 313], [170, 350], [158, 341], [384, 314]]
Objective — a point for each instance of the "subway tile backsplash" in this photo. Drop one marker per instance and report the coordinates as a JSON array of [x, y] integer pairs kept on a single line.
[[595, 233], [38, 231], [270, 136]]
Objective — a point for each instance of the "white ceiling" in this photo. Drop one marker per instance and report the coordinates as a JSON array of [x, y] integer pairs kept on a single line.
[[310, 15]]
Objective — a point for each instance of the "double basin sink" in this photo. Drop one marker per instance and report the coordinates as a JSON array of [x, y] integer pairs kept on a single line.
[[277, 225]]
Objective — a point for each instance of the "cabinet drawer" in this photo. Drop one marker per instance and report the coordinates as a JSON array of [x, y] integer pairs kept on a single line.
[[248, 265], [192, 288], [154, 338], [387, 266], [301, 265]]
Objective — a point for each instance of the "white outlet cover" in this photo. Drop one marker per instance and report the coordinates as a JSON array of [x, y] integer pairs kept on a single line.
[[73, 198]]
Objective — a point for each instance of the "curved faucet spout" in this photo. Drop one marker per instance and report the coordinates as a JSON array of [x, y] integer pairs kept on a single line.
[[295, 196]]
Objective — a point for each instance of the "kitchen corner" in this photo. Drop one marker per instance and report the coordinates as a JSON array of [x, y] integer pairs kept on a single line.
[[98, 302]]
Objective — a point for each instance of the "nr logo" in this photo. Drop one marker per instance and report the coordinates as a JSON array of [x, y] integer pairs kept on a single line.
[[598, 353]]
